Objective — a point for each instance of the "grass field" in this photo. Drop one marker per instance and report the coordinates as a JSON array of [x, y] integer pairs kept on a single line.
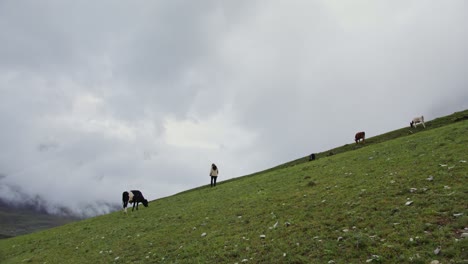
[[396, 199]]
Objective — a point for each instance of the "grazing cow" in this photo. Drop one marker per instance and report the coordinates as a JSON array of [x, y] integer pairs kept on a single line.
[[312, 157], [135, 197], [359, 136], [416, 121]]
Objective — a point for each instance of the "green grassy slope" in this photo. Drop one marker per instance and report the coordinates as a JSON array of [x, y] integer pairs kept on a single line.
[[438, 122], [349, 208]]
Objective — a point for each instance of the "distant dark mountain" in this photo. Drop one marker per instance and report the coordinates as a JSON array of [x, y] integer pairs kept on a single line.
[[26, 218], [33, 213]]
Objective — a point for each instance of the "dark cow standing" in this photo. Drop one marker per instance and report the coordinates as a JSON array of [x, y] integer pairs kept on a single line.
[[312, 157], [135, 197], [359, 136]]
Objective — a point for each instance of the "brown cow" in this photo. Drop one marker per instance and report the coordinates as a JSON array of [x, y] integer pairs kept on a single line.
[[359, 136]]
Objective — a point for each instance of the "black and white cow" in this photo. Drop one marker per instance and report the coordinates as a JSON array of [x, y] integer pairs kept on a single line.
[[134, 197]]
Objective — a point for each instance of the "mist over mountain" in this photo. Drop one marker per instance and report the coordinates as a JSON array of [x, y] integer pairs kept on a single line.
[[13, 197]]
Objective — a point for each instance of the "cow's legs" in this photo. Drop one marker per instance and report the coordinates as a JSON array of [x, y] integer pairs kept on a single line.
[[125, 203], [135, 204]]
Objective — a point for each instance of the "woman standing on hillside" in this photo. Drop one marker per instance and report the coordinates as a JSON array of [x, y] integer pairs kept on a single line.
[[214, 174]]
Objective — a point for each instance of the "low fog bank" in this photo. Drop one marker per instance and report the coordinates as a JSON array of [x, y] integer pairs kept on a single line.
[[14, 197]]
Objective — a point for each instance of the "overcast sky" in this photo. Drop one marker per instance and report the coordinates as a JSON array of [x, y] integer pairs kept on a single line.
[[99, 97]]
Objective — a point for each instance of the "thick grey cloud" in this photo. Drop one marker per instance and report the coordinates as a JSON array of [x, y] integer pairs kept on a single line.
[[101, 97]]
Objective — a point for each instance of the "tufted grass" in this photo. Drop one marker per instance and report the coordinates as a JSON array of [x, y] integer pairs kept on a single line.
[[349, 208]]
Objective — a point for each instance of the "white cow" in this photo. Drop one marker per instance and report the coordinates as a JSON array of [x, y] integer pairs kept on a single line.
[[416, 121]]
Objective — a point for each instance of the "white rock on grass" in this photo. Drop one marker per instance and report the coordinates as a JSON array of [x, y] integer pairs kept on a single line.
[[274, 226], [458, 215], [203, 235], [430, 178], [409, 203], [435, 262], [464, 235], [374, 257], [262, 236], [437, 251]]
